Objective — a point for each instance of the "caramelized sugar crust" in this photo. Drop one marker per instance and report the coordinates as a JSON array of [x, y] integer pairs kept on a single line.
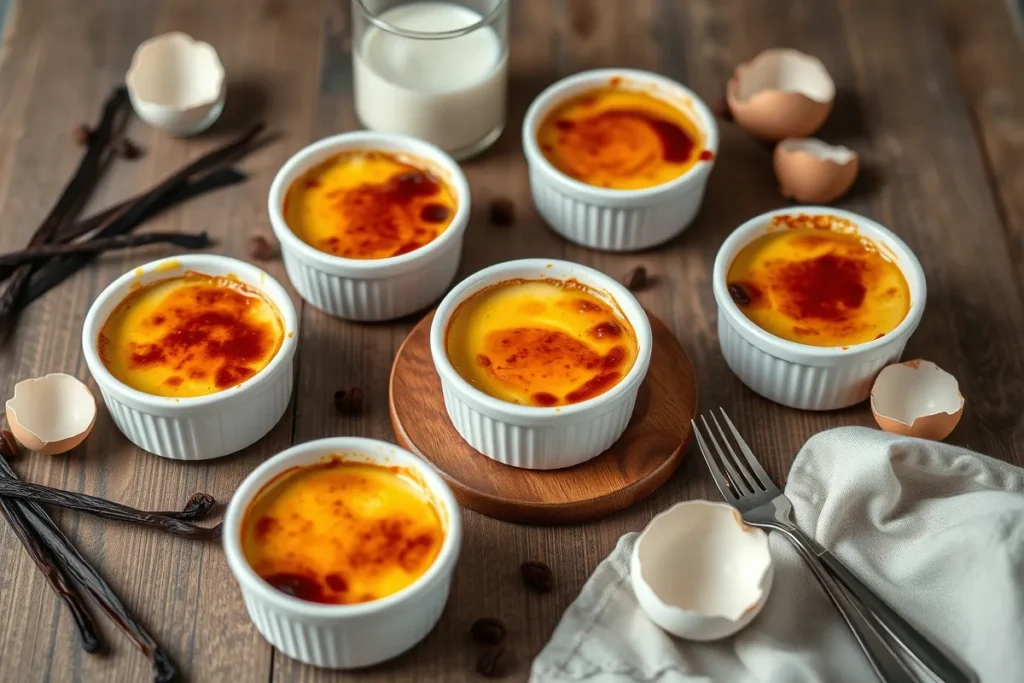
[[341, 532]]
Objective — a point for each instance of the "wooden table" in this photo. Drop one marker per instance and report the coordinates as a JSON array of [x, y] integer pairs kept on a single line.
[[931, 94]]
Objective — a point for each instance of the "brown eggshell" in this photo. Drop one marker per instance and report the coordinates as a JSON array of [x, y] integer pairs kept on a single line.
[[52, 414], [813, 172], [780, 94], [918, 399]]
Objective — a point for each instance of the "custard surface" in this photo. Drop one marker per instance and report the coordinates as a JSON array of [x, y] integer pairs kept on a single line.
[[540, 342], [819, 287], [191, 335], [369, 205], [341, 532], [620, 139]]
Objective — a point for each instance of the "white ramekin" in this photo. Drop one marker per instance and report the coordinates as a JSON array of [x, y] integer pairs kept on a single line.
[[345, 636], [373, 289], [798, 375], [528, 436], [617, 220], [200, 427]]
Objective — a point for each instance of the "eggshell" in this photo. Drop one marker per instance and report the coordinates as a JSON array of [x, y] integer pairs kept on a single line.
[[51, 414], [917, 398], [814, 172], [781, 93], [699, 572], [176, 83]]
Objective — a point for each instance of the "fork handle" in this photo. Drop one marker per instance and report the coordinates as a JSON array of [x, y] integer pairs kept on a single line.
[[884, 661], [916, 643]]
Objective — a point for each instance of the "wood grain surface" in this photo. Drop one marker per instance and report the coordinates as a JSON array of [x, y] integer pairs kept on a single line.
[[645, 456], [929, 94]]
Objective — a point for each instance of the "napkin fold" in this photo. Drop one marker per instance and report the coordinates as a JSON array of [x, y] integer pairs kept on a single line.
[[937, 531]]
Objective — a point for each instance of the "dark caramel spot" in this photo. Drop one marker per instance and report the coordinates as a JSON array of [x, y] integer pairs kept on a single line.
[[605, 329], [543, 398], [434, 213]]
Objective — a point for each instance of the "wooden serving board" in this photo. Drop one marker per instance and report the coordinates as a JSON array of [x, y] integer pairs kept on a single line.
[[647, 454]]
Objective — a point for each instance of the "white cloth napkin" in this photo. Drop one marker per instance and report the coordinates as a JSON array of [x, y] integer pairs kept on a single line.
[[935, 530]]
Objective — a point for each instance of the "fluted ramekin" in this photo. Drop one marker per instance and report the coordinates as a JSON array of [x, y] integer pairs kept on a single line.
[[371, 289], [199, 427], [798, 375], [533, 437], [345, 636], [617, 220]]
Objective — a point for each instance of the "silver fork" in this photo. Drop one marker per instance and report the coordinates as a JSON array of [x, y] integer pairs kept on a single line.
[[745, 485]]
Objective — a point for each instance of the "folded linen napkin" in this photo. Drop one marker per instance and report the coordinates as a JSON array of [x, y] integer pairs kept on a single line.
[[937, 531]]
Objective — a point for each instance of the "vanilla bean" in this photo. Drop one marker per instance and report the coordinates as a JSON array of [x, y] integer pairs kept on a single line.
[[101, 244], [123, 221], [59, 583], [198, 507], [71, 561], [76, 193], [100, 507], [59, 269], [197, 185]]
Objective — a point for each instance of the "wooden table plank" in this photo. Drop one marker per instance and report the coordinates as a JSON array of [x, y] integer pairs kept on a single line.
[[182, 591], [987, 40], [900, 105]]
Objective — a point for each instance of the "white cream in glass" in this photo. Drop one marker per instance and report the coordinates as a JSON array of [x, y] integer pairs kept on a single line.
[[433, 70]]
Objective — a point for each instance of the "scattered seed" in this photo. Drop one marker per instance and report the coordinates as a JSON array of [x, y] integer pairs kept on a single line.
[[493, 662], [349, 401], [261, 249], [488, 630], [127, 149], [538, 576], [636, 279], [9, 447], [721, 109], [82, 133], [502, 212]]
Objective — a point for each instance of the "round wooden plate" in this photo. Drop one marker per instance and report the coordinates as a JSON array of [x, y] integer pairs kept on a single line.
[[647, 454]]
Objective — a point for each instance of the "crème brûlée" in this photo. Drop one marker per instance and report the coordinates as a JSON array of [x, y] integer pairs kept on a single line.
[[540, 342], [819, 287], [341, 532], [190, 335], [369, 205], [621, 139]]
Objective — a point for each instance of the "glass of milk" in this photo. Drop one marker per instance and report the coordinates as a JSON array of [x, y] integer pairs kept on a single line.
[[433, 69]]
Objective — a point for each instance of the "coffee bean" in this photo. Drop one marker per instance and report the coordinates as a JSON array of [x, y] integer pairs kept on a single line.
[[488, 630], [538, 576]]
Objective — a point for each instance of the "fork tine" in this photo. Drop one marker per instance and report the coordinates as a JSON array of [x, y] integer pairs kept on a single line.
[[724, 487], [759, 472], [748, 478], [739, 485]]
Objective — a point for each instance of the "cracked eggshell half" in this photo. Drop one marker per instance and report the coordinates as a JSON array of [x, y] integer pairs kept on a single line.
[[814, 172], [917, 398], [177, 83], [699, 572], [781, 93], [51, 414]]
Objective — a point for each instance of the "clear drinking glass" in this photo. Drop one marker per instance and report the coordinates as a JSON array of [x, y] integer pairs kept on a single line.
[[436, 70]]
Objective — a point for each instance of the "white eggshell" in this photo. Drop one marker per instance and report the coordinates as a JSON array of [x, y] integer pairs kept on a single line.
[[917, 398], [177, 83], [781, 93], [51, 414], [814, 172], [699, 572]]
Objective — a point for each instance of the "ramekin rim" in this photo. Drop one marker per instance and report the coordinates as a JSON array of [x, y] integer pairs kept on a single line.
[[368, 268], [628, 304], [766, 342], [445, 561], [119, 288], [550, 96]]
